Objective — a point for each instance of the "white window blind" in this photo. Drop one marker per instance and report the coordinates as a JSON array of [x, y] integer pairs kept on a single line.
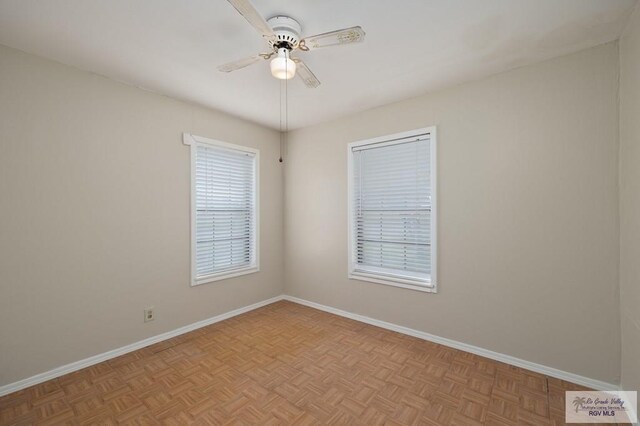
[[391, 190], [224, 194]]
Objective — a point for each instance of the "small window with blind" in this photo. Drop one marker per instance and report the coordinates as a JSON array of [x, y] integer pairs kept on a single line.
[[224, 206], [392, 215]]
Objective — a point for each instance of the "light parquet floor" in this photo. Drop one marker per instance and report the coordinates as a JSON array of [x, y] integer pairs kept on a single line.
[[290, 364]]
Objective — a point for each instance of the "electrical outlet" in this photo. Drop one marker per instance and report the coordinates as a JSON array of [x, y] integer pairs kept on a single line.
[[149, 314]]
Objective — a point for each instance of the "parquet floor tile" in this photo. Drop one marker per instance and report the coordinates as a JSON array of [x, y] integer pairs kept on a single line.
[[287, 364]]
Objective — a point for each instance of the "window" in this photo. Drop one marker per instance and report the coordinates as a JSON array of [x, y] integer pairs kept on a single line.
[[224, 206], [392, 215]]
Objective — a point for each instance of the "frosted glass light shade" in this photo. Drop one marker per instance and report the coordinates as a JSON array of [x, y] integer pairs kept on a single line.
[[282, 67]]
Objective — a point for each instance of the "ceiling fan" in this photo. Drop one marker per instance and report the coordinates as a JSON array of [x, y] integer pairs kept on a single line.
[[282, 33]]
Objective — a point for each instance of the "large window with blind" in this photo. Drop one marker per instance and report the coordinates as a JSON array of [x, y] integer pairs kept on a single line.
[[392, 214], [224, 209]]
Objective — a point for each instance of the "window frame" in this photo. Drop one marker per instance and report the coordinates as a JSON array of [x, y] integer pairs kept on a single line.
[[193, 142], [387, 279]]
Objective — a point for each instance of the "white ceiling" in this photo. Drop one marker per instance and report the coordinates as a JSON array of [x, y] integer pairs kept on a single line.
[[412, 46]]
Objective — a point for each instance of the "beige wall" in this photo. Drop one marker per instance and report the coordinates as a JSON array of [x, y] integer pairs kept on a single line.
[[528, 210], [94, 215], [630, 202]]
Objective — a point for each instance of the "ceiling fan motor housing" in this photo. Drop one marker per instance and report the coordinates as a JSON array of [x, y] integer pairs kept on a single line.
[[287, 31]]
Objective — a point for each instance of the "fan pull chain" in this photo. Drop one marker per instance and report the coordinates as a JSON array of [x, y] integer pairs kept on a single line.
[[284, 132], [281, 133], [286, 111]]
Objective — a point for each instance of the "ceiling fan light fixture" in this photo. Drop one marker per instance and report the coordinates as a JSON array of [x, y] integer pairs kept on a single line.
[[282, 67]]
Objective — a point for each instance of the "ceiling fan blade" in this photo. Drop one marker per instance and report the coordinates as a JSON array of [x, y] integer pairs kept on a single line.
[[244, 62], [332, 38], [246, 9], [303, 71]]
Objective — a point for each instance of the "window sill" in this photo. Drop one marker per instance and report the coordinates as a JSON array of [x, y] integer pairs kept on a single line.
[[225, 275], [362, 276]]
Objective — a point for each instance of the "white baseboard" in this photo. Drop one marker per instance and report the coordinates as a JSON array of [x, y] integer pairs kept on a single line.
[[633, 413], [507, 359], [87, 362]]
